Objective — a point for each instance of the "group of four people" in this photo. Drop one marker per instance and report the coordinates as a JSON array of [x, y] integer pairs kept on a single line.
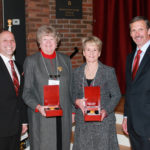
[[48, 66]]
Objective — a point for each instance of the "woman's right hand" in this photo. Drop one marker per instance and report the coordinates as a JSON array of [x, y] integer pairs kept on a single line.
[[81, 104], [42, 110]]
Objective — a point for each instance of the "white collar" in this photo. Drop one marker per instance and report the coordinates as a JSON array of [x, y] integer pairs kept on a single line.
[[144, 47], [6, 59]]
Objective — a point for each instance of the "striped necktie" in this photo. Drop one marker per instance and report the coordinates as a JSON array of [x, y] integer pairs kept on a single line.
[[14, 76]]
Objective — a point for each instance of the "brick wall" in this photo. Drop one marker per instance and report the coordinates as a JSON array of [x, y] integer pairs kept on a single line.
[[40, 12], [37, 14]]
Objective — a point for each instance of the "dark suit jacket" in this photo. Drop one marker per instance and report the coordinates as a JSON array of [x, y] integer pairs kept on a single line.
[[137, 100], [12, 108]]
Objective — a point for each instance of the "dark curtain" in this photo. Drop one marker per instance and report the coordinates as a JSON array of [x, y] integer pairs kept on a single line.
[[111, 25], [1, 16], [15, 9]]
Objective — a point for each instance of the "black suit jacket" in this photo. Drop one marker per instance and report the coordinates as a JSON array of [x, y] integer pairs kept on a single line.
[[12, 109], [137, 99]]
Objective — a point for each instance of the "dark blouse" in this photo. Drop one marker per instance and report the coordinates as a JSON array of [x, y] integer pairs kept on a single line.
[[89, 81]]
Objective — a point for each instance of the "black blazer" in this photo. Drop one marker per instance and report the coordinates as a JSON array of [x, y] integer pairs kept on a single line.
[[12, 109], [137, 99]]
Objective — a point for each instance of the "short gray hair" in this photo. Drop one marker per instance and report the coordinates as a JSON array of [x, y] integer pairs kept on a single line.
[[47, 30]]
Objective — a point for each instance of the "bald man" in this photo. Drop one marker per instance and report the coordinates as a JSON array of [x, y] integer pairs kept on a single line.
[[13, 117]]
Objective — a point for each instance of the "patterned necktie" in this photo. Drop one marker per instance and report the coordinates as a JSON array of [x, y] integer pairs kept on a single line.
[[14, 76], [136, 63]]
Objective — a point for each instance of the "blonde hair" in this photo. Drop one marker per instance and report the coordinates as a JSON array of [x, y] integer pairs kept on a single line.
[[47, 30], [92, 39]]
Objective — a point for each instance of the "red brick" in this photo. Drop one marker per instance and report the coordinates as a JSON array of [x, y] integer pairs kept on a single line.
[[40, 12]]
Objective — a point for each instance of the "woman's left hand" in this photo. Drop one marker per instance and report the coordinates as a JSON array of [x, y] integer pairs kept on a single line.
[[103, 114]]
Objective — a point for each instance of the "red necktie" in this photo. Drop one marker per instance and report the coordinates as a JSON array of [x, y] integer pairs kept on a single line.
[[14, 76], [136, 63]]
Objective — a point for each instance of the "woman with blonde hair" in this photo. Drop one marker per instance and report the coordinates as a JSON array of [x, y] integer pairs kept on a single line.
[[99, 135]]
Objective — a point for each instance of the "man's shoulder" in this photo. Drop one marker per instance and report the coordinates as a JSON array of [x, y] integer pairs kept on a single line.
[[1, 60]]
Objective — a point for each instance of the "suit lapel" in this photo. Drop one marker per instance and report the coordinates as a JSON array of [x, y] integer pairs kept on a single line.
[[6, 74], [21, 76], [99, 75], [129, 69], [82, 76], [144, 62]]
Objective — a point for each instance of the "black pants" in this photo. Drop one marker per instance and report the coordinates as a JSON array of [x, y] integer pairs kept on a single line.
[[59, 133], [139, 142], [10, 142]]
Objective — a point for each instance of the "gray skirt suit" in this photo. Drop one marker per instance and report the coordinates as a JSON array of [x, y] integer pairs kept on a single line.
[[97, 135], [42, 130]]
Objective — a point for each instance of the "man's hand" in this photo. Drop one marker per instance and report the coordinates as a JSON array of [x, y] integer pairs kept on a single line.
[[24, 128], [73, 118], [124, 126]]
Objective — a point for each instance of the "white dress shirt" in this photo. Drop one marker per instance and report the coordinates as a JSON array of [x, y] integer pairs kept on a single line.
[[143, 49], [6, 61]]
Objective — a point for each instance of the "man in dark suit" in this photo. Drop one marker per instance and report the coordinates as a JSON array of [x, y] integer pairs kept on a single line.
[[13, 116], [136, 120]]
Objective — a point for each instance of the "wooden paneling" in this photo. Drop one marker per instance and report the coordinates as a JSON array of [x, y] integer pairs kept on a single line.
[[120, 106], [124, 147]]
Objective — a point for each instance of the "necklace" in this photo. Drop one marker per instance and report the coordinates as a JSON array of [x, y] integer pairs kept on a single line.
[[90, 72], [50, 76], [86, 77]]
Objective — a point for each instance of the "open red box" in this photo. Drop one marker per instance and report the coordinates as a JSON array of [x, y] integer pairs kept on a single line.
[[51, 99], [92, 104]]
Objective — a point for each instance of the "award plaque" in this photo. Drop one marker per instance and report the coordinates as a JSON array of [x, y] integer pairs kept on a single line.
[[92, 104], [51, 99]]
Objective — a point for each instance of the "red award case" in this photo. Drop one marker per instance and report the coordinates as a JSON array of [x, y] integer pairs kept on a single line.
[[92, 104], [51, 99]]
